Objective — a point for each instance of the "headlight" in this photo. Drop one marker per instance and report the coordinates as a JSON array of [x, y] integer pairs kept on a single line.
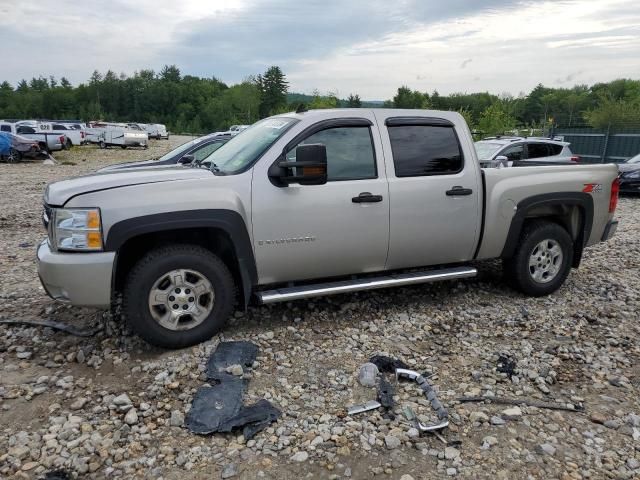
[[76, 229]]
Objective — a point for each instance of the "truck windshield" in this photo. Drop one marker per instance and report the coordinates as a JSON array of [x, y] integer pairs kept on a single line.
[[242, 150], [486, 150]]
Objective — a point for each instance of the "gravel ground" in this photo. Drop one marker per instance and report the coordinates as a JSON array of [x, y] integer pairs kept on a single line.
[[111, 406]]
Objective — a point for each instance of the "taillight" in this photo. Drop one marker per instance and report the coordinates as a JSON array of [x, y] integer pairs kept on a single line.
[[613, 200], [62, 140], [575, 158], [81, 134]]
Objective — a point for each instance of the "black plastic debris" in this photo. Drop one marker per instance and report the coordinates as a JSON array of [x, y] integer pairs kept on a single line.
[[218, 407], [387, 364], [506, 365], [255, 418], [215, 405], [56, 475], [231, 353], [385, 393]]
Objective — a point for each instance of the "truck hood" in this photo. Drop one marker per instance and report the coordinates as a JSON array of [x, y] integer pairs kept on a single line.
[[58, 193]]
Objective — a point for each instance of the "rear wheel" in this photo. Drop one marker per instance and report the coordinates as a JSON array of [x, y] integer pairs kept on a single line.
[[542, 260], [102, 144], [69, 144], [177, 296]]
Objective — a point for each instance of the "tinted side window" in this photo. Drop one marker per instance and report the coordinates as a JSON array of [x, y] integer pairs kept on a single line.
[[514, 153], [537, 150], [349, 152], [24, 129], [57, 126], [5, 128], [425, 150], [204, 152], [555, 149]]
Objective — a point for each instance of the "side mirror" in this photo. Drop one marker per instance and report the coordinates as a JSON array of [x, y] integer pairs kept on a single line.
[[309, 168], [186, 159], [502, 161]]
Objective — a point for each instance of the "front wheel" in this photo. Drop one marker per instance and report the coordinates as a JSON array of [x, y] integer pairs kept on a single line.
[[177, 296], [542, 260], [102, 145]]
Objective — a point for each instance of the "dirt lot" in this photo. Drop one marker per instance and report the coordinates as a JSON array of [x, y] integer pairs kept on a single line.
[[579, 347]]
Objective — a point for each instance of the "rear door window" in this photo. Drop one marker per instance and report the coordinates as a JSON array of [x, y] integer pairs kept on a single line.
[[513, 152], [537, 150], [420, 150], [555, 149], [24, 129]]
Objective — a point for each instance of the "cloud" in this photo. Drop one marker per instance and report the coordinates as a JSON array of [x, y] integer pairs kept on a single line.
[[368, 47]]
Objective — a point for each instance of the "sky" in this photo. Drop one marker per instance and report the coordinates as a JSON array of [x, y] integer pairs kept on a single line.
[[368, 47]]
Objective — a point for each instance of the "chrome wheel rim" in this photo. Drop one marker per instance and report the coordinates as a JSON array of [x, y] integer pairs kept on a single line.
[[13, 156], [545, 261], [181, 299]]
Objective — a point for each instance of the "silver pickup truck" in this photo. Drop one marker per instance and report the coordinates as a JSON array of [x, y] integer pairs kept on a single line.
[[314, 203]]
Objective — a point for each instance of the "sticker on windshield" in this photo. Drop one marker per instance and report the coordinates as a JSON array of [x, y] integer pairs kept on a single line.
[[275, 124]]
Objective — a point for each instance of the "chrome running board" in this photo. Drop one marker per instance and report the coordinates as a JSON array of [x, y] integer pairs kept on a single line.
[[394, 280]]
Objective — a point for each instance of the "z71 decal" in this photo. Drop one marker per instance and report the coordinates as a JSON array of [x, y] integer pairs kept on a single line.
[[592, 188]]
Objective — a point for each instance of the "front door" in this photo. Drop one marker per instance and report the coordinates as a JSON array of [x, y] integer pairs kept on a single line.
[[314, 231], [434, 192]]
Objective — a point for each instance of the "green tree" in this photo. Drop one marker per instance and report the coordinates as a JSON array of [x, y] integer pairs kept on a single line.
[[273, 87], [407, 98], [614, 113], [495, 121], [354, 101]]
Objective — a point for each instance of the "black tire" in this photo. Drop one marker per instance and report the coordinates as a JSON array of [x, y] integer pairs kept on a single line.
[[14, 156], [69, 144], [517, 269], [159, 262], [124, 147], [102, 145]]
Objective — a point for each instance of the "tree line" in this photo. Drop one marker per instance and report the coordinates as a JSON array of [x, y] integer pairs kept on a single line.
[[187, 103]]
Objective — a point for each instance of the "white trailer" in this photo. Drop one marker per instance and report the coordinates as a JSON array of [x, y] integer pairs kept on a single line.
[[116, 134], [157, 131]]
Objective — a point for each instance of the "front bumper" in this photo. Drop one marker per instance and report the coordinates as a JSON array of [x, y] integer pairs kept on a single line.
[[610, 230], [76, 278]]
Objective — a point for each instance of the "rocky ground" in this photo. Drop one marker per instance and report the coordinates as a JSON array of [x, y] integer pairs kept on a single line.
[[111, 406]]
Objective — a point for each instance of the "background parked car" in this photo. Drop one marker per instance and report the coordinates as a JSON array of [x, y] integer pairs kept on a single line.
[[14, 148], [523, 151], [73, 136], [194, 151], [48, 141], [630, 175]]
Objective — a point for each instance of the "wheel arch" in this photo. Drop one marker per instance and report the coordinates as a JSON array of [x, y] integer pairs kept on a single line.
[[221, 231], [572, 210]]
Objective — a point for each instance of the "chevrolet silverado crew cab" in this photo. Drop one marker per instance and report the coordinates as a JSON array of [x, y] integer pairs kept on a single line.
[[314, 203]]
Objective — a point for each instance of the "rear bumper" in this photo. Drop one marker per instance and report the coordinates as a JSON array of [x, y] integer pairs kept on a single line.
[[76, 278], [610, 230]]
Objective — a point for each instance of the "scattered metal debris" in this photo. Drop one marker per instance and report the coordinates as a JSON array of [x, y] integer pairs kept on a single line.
[[62, 327], [523, 401], [218, 407], [431, 395], [364, 407]]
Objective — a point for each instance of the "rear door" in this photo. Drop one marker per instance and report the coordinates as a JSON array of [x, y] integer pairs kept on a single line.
[[435, 192]]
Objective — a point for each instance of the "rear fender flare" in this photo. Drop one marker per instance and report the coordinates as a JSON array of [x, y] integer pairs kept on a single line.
[[525, 207]]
